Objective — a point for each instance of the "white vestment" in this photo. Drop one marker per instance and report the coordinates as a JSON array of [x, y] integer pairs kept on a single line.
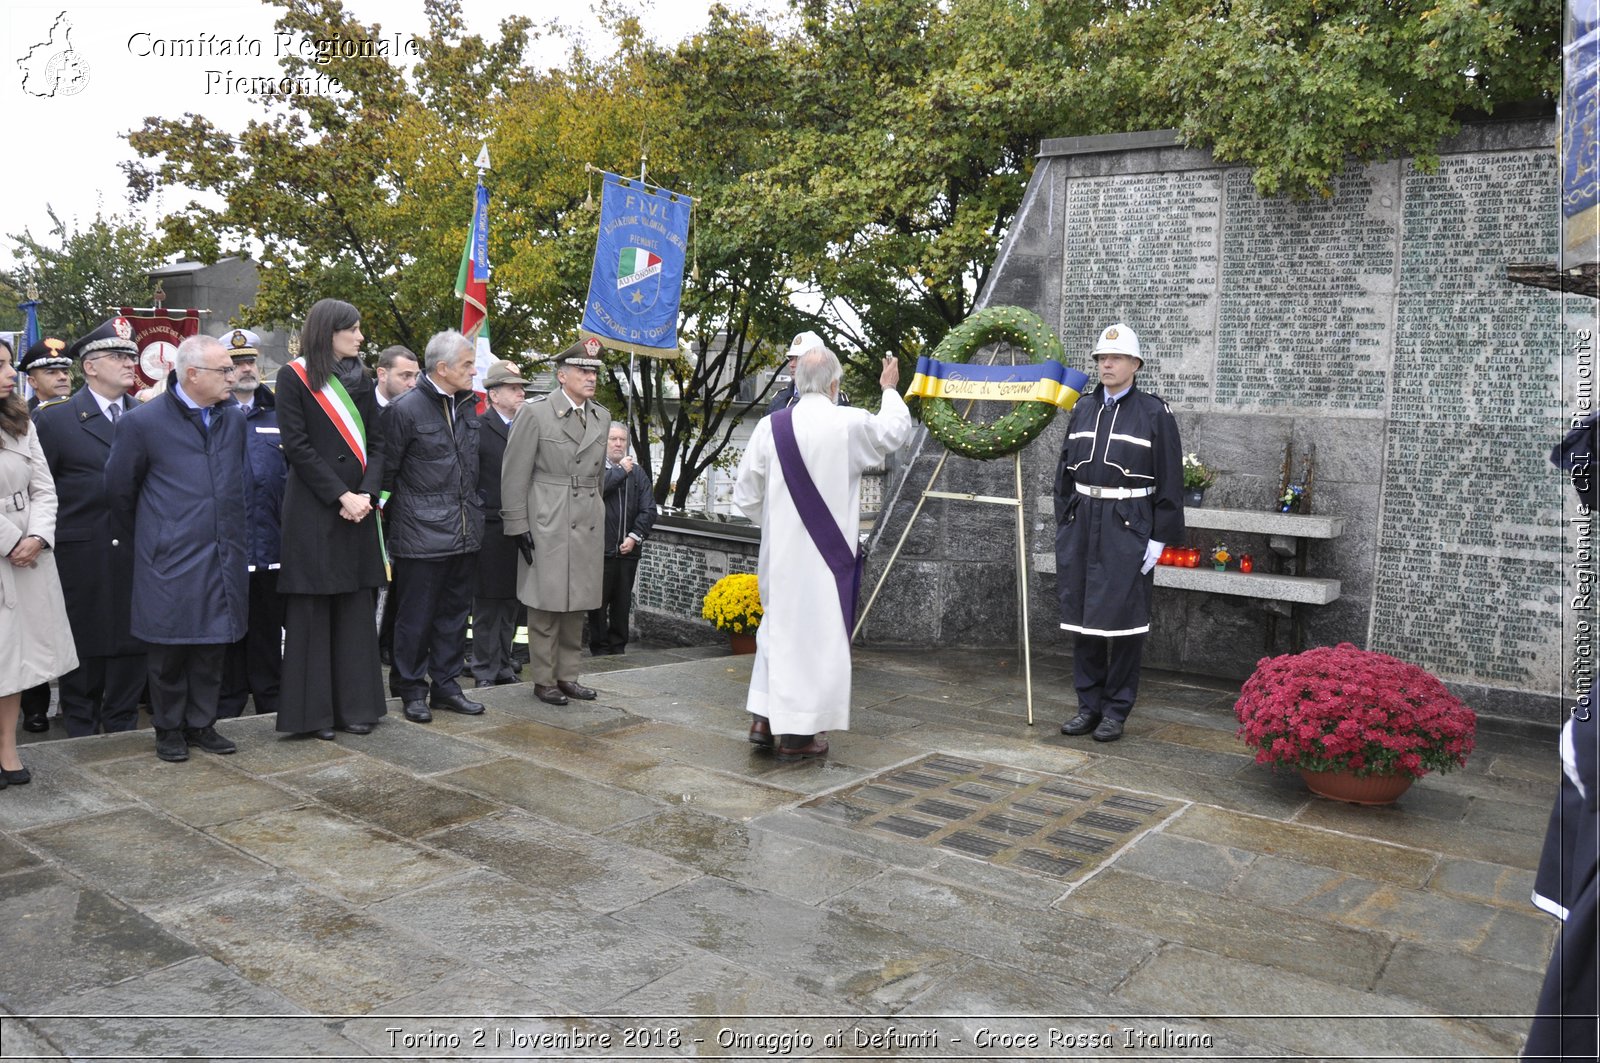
[[801, 677]]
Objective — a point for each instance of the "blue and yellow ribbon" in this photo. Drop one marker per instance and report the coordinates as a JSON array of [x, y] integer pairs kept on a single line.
[[1049, 382]]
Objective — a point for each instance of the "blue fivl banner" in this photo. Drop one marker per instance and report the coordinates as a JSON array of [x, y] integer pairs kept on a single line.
[[1037, 382], [637, 280]]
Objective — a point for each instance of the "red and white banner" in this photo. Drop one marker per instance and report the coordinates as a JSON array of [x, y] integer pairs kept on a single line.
[[158, 333]]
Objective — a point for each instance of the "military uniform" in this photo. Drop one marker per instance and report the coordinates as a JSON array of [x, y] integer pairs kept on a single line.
[[550, 490], [1118, 487]]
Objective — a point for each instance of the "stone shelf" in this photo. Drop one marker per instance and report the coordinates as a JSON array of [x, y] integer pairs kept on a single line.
[[1257, 522], [1308, 590]]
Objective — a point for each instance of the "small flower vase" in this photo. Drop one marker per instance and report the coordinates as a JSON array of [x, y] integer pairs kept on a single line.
[[1194, 496], [1220, 566]]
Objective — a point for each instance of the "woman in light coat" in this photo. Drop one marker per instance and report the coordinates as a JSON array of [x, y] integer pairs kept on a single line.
[[35, 638]]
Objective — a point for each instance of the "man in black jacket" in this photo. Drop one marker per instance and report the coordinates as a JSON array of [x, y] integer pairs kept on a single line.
[[630, 514], [96, 567], [496, 613], [434, 522]]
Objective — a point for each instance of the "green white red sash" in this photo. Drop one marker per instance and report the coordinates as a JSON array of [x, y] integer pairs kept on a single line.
[[340, 408]]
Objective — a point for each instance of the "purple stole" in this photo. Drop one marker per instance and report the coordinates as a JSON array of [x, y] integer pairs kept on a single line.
[[842, 561]]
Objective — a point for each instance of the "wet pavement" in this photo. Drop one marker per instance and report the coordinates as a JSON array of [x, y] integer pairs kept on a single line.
[[631, 879]]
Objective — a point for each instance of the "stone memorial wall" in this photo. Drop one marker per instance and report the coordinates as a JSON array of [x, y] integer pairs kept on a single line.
[[1374, 329]]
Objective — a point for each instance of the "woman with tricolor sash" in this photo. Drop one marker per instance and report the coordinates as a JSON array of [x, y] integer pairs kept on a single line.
[[332, 561]]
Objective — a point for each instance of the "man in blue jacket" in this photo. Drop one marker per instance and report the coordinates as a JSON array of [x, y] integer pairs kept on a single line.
[[630, 514], [253, 667], [177, 481]]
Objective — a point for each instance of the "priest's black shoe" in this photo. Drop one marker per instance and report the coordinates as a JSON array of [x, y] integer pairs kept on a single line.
[[549, 695], [456, 703], [36, 724], [324, 733], [1081, 724], [1109, 730], [760, 731], [802, 747], [416, 711], [575, 690], [356, 728]]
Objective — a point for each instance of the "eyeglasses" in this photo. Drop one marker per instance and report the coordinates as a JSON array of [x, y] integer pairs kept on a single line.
[[225, 370], [122, 357]]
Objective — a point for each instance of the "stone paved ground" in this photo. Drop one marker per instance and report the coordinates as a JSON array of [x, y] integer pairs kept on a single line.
[[631, 879]]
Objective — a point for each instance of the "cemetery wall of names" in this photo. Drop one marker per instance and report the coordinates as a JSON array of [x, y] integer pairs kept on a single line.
[[1375, 327]]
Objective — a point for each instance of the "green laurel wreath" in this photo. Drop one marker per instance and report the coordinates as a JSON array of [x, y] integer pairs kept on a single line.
[[1023, 423]]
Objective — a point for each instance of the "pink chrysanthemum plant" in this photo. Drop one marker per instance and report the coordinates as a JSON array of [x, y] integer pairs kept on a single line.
[[1345, 709]]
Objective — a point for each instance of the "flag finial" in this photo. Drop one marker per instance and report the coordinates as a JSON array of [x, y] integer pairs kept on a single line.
[[483, 157]]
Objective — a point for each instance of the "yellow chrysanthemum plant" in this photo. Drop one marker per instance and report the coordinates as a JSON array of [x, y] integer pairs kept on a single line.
[[733, 604]]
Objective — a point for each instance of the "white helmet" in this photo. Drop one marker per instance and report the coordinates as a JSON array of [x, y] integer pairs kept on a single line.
[[1118, 339]]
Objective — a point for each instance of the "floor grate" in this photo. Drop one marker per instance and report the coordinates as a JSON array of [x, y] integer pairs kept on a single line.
[[1038, 823]]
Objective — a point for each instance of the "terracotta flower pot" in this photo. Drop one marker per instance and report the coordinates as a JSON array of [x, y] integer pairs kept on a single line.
[[1357, 789], [743, 643]]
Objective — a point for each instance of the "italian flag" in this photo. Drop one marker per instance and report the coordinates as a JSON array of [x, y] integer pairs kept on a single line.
[[472, 288], [634, 265]]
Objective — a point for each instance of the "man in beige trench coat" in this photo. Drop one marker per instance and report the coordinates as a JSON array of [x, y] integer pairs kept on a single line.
[[551, 503]]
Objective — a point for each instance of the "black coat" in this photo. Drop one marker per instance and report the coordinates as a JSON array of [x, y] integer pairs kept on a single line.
[[431, 473], [1100, 542], [322, 552], [630, 507], [96, 575], [497, 560], [269, 470], [182, 490]]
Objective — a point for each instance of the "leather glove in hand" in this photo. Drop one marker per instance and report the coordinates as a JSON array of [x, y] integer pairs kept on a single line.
[[525, 546]]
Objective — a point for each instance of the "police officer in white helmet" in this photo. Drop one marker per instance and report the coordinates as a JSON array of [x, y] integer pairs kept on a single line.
[[1118, 501]]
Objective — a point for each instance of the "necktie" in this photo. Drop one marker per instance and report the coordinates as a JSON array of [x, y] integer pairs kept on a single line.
[[1110, 402], [205, 417], [114, 411], [583, 422]]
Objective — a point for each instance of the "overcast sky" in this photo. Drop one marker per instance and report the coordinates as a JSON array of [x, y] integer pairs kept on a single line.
[[63, 149]]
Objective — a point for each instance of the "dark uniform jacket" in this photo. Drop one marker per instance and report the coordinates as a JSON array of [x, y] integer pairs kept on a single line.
[[269, 470], [181, 489], [497, 561], [1100, 542], [322, 552], [630, 507], [431, 468], [96, 577], [1566, 883]]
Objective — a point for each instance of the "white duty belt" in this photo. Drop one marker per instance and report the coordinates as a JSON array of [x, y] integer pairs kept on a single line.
[[1115, 492]]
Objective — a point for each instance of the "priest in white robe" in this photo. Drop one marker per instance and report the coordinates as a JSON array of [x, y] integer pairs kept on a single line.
[[800, 685]]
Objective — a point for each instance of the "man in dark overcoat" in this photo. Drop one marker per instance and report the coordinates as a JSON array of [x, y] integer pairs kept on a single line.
[[96, 567], [434, 522], [253, 667], [178, 483], [496, 613], [630, 514], [1118, 501], [550, 501]]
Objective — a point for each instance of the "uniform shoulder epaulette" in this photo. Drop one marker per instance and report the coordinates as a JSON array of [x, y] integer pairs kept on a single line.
[[57, 401]]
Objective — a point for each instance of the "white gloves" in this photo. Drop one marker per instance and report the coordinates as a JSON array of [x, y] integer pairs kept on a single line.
[[1152, 554]]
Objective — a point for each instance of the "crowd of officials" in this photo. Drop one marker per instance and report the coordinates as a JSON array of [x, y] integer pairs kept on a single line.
[[225, 543]]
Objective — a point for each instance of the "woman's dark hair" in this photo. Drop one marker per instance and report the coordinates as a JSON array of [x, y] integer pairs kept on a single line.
[[316, 338], [13, 411]]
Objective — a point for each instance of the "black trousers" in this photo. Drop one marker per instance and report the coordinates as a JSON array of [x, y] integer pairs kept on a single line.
[[331, 674], [494, 624], [36, 701], [253, 666], [1106, 673], [185, 681], [386, 622], [102, 694], [608, 625], [432, 597]]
